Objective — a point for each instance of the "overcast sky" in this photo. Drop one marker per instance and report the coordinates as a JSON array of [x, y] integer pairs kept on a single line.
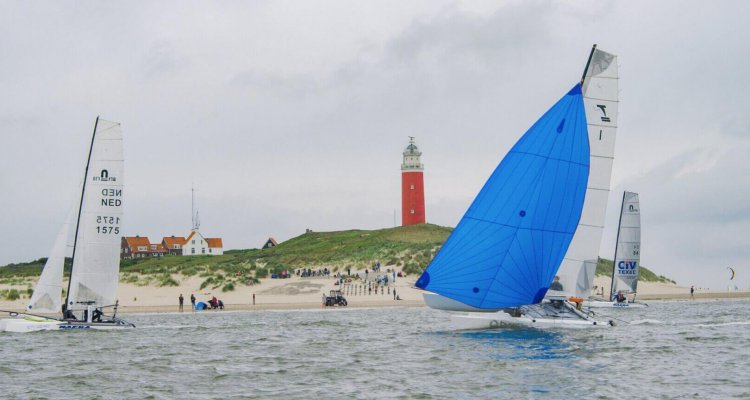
[[293, 115]]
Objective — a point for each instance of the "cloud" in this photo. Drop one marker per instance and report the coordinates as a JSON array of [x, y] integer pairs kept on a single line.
[[289, 116]]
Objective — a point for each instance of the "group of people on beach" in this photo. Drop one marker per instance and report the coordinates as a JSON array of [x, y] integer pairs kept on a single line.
[[213, 304], [307, 272]]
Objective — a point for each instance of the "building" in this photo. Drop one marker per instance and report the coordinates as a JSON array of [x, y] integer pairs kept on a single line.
[[173, 244], [196, 244], [412, 186], [140, 247], [271, 242]]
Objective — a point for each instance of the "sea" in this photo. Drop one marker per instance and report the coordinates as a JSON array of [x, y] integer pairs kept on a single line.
[[670, 350]]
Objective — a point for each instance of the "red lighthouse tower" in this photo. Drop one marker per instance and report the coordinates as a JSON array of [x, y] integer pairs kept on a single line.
[[412, 186]]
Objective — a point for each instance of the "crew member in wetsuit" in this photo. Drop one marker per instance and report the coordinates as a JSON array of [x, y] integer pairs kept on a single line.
[[97, 316], [67, 314], [557, 286], [620, 297]]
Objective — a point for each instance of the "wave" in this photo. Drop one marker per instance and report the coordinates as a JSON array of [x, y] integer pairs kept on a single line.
[[723, 324], [646, 322]]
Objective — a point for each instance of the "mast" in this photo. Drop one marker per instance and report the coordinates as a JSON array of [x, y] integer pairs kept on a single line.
[[80, 207], [585, 70], [617, 243]]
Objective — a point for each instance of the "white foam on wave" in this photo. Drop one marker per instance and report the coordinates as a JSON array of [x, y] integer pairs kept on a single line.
[[724, 324], [646, 321]]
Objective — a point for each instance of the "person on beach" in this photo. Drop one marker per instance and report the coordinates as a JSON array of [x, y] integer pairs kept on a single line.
[[182, 300], [394, 293], [253, 298], [692, 290], [192, 300], [367, 274]]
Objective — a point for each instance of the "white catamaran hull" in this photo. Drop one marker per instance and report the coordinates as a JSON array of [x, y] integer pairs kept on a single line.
[[543, 315], [613, 304], [477, 321], [24, 324]]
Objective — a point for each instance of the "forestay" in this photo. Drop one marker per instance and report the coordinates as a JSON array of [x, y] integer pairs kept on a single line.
[[600, 98], [507, 247], [47, 296], [628, 250], [96, 258]]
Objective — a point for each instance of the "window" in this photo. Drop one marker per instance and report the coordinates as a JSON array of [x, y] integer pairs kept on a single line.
[[175, 246], [142, 248], [193, 241], [210, 250], [203, 250], [192, 251]]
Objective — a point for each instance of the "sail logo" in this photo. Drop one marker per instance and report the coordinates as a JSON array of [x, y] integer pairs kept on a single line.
[[602, 107], [627, 267], [104, 177], [74, 327]]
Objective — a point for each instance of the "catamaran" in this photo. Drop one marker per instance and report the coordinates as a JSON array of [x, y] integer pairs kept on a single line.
[[92, 287], [531, 236], [625, 269]]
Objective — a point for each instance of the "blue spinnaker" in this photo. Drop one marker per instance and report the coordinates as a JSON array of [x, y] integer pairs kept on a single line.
[[508, 246]]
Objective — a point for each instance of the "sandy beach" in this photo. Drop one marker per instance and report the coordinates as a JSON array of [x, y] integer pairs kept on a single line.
[[306, 293]]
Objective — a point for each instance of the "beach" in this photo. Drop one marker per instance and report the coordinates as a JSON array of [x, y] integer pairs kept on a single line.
[[306, 293]]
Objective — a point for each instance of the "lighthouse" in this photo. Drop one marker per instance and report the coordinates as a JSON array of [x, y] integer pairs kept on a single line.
[[412, 186]]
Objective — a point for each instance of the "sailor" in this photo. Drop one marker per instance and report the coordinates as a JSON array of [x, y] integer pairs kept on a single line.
[[67, 314], [97, 316], [620, 297], [556, 285]]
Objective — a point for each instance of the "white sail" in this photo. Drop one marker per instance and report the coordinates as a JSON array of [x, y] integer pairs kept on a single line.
[[47, 296], [628, 248], [600, 98], [96, 258]]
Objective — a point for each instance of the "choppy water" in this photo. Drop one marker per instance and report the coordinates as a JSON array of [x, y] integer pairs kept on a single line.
[[674, 350]]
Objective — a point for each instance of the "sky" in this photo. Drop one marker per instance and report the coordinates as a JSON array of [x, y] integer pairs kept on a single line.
[[291, 115]]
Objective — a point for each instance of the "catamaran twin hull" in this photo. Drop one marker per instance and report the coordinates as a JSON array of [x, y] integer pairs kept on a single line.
[[25, 324], [476, 321], [613, 304], [546, 314]]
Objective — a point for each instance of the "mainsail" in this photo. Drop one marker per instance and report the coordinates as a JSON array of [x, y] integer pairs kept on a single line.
[[628, 247], [96, 258], [47, 293], [600, 98], [508, 246]]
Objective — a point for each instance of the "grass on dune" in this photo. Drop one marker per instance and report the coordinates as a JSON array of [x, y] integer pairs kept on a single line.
[[408, 247]]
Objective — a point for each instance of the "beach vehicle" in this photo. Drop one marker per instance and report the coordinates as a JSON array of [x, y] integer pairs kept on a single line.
[[625, 269], [92, 287], [540, 215], [335, 298]]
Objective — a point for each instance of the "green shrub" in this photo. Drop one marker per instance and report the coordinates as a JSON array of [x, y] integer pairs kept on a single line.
[[10, 294], [228, 287], [166, 280]]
